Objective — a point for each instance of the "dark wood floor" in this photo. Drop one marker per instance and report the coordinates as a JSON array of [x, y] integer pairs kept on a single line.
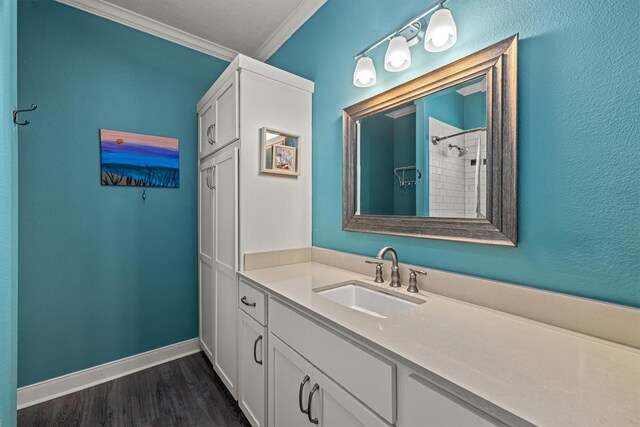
[[184, 392]]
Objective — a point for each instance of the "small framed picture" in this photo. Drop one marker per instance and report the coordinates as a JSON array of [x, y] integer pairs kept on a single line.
[[280, 152]]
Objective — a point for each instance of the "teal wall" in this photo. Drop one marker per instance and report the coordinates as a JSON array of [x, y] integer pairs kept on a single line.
[[475, 110], [102, 274], [8, 215], [376, 158], [578, 126], [447, 107], [386, 144], [404, 154]]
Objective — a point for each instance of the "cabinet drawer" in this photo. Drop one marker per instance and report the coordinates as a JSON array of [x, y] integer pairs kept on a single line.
[[428, 404], [252, 301], [367, 376]]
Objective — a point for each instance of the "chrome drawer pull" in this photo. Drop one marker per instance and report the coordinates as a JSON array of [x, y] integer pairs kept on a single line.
[[304, 381], [313, 390], [255, 347], [209, 137], [248, 304]]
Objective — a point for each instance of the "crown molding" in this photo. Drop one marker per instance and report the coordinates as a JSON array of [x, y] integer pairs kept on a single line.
[[153, 27], [290, 25]]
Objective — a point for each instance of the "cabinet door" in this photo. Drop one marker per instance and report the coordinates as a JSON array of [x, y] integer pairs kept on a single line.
[[225, 265], [251, 369], [332, 406], [226, 104], [206, 293], [206, 129], [289, 385], [428, 405]]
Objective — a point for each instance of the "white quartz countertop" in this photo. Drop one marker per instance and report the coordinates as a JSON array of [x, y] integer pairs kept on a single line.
[[542, 374]]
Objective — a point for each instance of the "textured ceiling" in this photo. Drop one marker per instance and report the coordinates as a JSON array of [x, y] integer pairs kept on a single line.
[[241, 25]]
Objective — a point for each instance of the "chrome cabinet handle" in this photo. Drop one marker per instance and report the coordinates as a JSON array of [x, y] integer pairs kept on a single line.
[[210, 177], [209, 137], [313, 390], [304, 381], [255, 347], [245, 302]]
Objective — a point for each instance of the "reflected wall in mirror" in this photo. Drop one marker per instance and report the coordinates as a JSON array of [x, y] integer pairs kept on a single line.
[[436, 157], [427, 157]]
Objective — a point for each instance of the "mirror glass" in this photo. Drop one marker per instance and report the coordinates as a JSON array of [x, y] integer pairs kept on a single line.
[[426, 158], [280, 152]]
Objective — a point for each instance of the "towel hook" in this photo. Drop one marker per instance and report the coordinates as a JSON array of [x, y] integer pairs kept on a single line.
[[16, 112]]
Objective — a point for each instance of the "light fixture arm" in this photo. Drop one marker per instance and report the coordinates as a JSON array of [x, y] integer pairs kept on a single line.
[[399, 29]]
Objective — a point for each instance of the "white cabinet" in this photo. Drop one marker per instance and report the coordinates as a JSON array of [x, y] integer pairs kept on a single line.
[[227, 113], [218, 119], [218, 261], [299, 394], [366, 375], [225, 182], [289, 385], [205, 257], [252, 369], [241, 211]]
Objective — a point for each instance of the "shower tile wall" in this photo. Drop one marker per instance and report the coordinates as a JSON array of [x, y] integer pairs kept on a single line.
[[451, 178]]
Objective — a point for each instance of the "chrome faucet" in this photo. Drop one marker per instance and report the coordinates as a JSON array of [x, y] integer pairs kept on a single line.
[[395, 270]]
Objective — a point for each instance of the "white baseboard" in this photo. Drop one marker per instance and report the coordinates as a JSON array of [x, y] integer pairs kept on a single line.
[[56, 387]]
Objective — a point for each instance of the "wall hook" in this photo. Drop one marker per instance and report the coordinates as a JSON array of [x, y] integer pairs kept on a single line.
[[144, 195], [16, 112]]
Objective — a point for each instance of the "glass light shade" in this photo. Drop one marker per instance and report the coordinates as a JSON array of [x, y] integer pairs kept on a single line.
[[398, 57], [365, 73], [442, 32]]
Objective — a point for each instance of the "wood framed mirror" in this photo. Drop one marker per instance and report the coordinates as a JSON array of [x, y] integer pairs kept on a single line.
[[436, 157]]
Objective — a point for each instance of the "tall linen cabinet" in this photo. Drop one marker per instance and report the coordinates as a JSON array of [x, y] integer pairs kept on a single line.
[[241, 210]]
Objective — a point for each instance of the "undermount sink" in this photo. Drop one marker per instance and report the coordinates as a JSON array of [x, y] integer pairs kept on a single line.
[[368, 299]]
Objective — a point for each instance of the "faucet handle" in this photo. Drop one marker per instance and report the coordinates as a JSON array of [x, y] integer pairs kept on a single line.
[[413, 279], [378, 264]]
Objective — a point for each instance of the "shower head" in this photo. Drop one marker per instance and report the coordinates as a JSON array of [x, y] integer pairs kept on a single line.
[[461, 150]]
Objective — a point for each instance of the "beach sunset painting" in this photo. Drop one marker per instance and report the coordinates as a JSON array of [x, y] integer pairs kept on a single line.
[[139, 160]]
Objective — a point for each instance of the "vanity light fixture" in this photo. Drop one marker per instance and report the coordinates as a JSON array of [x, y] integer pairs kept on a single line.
[[442, 32], [439, 35], [365, 74], [398, 56]]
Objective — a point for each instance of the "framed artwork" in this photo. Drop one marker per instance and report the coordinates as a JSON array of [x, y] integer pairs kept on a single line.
[[280, 152], [134, 159]]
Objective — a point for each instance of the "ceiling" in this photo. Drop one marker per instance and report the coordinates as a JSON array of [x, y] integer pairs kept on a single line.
[[221, 28]]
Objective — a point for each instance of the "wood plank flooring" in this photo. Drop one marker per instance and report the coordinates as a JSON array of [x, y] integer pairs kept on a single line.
[[184, 392]]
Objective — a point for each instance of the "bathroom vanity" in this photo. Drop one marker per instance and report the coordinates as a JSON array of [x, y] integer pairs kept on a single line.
[[437, 362]]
